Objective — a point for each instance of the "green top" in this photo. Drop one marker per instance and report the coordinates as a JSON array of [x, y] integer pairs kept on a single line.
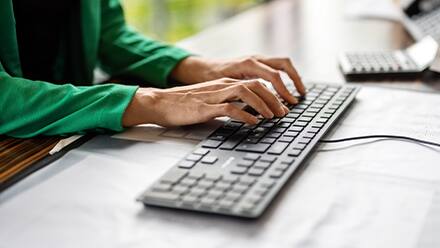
[[32, 108]]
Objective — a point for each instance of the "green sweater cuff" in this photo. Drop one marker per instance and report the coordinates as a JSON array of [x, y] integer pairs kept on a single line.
[[118, 100]]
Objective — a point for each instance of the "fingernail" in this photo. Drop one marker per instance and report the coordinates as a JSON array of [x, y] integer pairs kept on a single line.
[[286, 110], [294, 100]]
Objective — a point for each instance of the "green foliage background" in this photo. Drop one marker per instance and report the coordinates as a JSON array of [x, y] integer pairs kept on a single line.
[[172, 20]]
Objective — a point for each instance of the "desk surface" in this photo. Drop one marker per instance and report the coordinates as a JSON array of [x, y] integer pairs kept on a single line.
[[380, 194]]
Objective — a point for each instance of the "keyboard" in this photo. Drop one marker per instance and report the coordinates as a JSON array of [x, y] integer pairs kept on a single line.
[[429, 23], [239, 169], [377, 63]]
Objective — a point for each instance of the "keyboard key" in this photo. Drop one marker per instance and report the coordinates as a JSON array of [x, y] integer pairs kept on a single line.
[[230, 178], [304, 140], [282, 167], [239, 170], [278, 148], [259, 192], [279, 130], [286, 139], [268, 158], [180, 189], [232, 196], [296, 129], [273, 135], [309, 135], [197, 192], [222, 185], [189, 200], [256, 172], [251, 156], [262, 164], [245, 163], [276, 174], [267, 183], [305, 119], [226, 204], [318, 125], [267, 124], [268, 140], [201, 151], [291, 133], [162, 196], [213, 176], [214, 193], [300, 124], [300, 146], [295, 152], [196, 175], [209, 160], [207, 202], [288, 160], [234, 140], [173, 176], [288, 120], [253, 199], [188, 182], [185, 164], [240, 188], [161, 187], [246, 147], [211, 143], [205, 184], [244, 180]]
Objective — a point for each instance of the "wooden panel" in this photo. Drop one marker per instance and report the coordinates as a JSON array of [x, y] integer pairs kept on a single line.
[[17, 155]]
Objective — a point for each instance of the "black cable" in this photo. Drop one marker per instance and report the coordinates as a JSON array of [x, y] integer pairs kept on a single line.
[[381, 137]]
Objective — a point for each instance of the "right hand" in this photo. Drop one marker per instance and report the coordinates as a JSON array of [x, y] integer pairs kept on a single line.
[[201, 102]]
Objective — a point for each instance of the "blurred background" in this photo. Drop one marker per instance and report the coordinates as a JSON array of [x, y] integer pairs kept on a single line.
[[173, 20]]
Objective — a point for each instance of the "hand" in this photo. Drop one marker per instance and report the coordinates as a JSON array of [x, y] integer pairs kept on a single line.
[[195, 69], [198, 103]]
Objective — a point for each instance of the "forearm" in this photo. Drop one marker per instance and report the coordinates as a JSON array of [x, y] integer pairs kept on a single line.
[[31, 108]]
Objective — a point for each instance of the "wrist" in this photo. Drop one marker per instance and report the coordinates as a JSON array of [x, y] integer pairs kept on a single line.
[[141, 108], [194, 70]]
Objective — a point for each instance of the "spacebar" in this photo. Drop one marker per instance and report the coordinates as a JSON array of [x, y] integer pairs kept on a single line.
[[249, 147]]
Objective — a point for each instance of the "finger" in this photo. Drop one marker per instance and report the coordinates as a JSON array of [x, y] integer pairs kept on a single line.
[[267, 73], [272, 101], [232, 111], [286, 65], [237, 92], [206, 86]]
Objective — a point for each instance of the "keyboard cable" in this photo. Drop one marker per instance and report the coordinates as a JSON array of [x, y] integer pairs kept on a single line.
[[398, 137]]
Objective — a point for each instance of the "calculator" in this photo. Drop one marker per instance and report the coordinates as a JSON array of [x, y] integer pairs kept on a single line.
[[410, 61]]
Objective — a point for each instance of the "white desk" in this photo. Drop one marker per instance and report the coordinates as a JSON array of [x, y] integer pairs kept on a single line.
[[378, 194], [375, 194]]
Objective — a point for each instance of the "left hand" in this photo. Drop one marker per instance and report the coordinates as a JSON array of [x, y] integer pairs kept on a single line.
[[196, 69]]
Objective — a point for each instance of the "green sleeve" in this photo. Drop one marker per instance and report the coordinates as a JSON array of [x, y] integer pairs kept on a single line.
[[31, 108], [123, 51]]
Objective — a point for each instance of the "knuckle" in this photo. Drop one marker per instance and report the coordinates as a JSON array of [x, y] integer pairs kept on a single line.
[[257, 84], [240, 89], [249, 61], [228, 108], [274, 76], [227, 80]]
